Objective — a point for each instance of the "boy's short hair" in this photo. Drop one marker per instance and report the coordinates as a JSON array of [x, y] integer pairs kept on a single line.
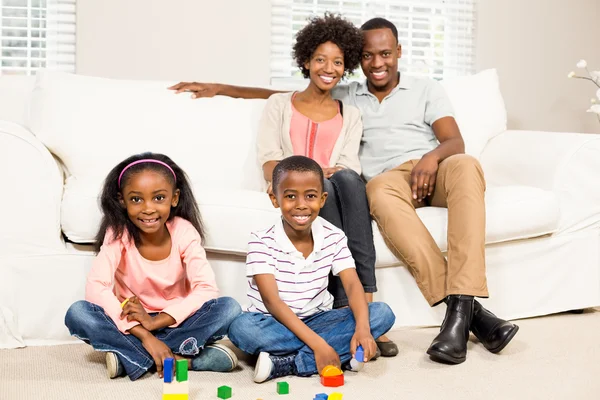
[[298, 164], [380, 23]]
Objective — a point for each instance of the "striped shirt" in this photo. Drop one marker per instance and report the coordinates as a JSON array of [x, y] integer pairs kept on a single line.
[[302, 282]]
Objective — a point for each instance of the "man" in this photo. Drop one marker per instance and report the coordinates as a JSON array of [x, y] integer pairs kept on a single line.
[[412, 156]]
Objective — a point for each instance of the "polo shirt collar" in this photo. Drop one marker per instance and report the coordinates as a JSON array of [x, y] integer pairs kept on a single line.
[[405, 82], [286, 245]]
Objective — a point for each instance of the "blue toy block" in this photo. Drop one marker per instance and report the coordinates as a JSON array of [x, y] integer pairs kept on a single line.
[[168, 365], [360, 354], [321, 396]]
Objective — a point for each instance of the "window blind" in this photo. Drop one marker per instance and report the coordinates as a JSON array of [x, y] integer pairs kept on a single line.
[[37, 34], [437, 36]]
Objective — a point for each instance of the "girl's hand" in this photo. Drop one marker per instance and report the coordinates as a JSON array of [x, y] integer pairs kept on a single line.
[[134, 311], [365, 339], [325, 355], [158, 351]]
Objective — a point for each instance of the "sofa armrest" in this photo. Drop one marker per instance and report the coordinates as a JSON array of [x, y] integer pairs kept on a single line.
[[565, 163], [32, 191]]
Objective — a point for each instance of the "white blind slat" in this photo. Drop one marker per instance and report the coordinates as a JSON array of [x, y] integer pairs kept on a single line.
[[37, 34], [437, 36]]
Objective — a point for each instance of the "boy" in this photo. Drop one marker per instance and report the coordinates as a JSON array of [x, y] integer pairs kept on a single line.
[[290, 323]]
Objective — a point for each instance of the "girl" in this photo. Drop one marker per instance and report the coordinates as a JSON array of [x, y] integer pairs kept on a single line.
[[312, 124], [165, 299]]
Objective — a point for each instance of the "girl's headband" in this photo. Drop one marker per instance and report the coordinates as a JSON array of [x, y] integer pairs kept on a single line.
[[149, 160]]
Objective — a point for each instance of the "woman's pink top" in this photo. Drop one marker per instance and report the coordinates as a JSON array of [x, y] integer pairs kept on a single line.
[[178, 285], [314, 139]]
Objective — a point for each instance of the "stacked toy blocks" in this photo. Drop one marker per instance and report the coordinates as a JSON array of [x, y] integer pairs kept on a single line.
[[179, 389], [332, 376]]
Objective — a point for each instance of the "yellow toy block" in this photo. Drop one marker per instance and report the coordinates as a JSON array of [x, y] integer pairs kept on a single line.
[[175, 397], [335, 396]]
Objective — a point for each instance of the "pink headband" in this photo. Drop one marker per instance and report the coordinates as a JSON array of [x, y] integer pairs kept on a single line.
[[150, 160]]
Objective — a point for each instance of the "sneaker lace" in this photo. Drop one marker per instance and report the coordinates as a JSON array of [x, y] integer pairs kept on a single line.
[[283, 366]]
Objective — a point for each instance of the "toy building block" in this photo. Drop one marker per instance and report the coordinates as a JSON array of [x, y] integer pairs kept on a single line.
[[321, 396], [283, 388], [335, 396], [181, 370], [168, 369], [360, 354], [332, 381], [332, 376], [175, 397], [224, 392]]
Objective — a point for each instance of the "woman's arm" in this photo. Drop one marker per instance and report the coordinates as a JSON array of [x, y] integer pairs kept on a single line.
[[349, 153], [199, 89]]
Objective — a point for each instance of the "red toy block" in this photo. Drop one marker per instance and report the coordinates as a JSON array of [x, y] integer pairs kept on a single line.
[[332, 381]]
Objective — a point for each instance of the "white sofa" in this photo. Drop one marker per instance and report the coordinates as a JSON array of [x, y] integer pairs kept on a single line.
[[60, 134]]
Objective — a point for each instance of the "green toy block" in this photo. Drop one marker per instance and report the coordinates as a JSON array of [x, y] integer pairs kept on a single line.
[[181, 370], [224, 392], [283, 388]]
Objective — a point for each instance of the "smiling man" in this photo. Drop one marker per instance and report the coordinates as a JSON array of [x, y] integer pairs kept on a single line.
[[412, 155]]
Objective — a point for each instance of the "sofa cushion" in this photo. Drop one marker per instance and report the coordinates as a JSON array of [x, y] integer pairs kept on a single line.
[[478, 108], [512, 213]]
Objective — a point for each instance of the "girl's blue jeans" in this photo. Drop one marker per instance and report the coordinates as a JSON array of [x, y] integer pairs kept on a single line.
[[89, 322]]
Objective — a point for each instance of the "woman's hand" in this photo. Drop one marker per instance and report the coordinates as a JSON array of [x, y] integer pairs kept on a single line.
[[328, 172]]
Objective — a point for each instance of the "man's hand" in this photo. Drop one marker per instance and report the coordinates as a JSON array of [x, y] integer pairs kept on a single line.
[[158, 351], [365, 339], [134, 311], [325, 355], [197, 89], [423, 177], [328, 172]]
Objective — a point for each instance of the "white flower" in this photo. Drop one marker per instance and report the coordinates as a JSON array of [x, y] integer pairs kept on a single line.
[[598, 93], [595, 75], [582, 64], [594, 109], [593, 100], [571, 74]]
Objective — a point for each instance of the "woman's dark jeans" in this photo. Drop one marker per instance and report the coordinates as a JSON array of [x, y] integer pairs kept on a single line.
[[348, 209]]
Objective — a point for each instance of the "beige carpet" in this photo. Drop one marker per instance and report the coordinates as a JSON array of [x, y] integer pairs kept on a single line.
[[553, 357]]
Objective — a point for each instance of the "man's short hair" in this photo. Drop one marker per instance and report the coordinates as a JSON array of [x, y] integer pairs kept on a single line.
[[298, 164], [380, 23]]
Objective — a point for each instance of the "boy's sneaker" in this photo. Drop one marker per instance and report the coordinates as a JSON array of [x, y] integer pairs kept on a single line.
[[215, 357], [270, 367], [114, 368]]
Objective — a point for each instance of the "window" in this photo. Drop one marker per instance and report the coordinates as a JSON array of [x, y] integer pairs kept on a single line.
[[37, 34], [437, 36]]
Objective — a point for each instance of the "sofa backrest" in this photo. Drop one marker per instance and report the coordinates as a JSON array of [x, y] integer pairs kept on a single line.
[[91, 124], [15, 91]]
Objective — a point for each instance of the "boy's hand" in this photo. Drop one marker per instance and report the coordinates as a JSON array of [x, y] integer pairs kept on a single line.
[[158, 351], [325, 355], [365, 339], [134, 311]]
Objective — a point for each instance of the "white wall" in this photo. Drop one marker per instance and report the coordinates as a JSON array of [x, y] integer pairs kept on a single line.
[[533, 44], [216, 40]]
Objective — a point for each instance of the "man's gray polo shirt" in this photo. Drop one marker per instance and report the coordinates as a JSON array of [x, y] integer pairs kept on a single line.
[[399, 128]]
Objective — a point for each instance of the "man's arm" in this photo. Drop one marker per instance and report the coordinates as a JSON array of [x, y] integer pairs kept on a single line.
[[199, 89], [451, 142]]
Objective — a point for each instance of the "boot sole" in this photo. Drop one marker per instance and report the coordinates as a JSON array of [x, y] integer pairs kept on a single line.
[[439, 356], [502, 345]]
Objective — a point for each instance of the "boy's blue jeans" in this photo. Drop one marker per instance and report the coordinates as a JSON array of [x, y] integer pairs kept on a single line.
[[256, 332], [89, 322]]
